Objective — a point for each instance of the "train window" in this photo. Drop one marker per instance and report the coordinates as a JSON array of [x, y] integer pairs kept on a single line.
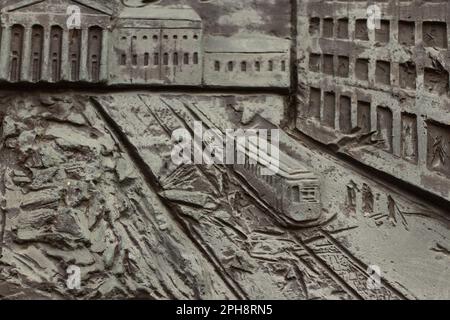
[[146, 59], [166, 59], [123, 59], [258, 66], [135, 60], [156, 58], [244, 66], [175, 59], [283, 65], [195, 58], [230, 66], [295, 194], [186, 58], [270, 65], [309, 195], [217, 65]]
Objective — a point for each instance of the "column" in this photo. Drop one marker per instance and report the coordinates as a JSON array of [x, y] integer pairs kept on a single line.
[[45, 55], [25, 74], [104, 56], [84, 74], [4, 52], [65, 65]]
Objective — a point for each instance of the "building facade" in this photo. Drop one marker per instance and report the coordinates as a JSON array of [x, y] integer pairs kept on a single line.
[[153, 45], [391, 81], [247, 61], [37, 45], [157, 45]]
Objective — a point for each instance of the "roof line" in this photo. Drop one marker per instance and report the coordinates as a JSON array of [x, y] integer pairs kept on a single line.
[[247, 52], [26, 3], [158, 19]]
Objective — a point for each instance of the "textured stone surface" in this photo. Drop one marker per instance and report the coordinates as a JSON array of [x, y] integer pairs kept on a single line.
[[87, 179]]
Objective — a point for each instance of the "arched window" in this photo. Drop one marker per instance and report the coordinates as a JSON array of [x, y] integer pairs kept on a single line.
[[166, 59], [195, 58], [175, 37], [16, 51], [155, 37], [55, 52], [244, 66], [283, 65], [144, 38], [156, 58], [270, 65], [135, 59], [230, 66], [185, 37], [123, 59], [217, 65], [37, 44], [186, 58], [95, 52], [175, 58], [146, 59], [75, 53], [258, 66]]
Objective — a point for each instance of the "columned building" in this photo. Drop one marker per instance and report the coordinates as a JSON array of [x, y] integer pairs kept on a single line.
[[38, 45]]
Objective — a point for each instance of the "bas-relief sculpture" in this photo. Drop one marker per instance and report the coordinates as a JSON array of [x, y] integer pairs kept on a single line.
[[87, 180]]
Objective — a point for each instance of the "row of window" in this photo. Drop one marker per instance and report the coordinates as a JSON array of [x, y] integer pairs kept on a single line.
[[55, 54], [326, 64], [175, 59], [245, 66], [165, 37], [436, 81], [324, 110], [434, 33]]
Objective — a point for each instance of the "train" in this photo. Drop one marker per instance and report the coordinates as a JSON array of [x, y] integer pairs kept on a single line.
[[285, 186]]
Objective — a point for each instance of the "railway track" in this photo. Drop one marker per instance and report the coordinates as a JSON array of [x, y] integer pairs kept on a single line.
[[353, 277], [333, 259]]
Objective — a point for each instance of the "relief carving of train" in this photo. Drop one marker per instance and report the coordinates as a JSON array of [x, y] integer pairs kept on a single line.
[[153, 45], [289, 189], [292, 190]]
